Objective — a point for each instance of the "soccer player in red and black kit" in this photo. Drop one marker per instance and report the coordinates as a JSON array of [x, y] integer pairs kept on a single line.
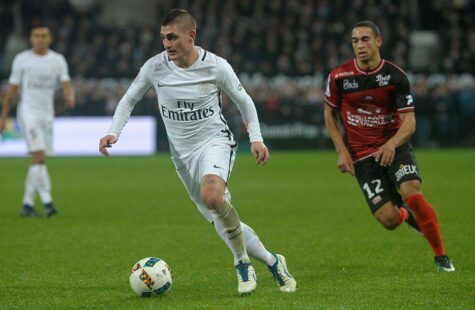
[[372, 97]]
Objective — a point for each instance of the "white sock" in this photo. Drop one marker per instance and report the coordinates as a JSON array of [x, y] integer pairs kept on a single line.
[[228, 226], [30, 185], [43, 184], [254, 246]]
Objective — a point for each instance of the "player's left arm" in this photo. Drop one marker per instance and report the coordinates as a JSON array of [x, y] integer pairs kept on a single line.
[[405, 106], [229, 82], [68, 92]]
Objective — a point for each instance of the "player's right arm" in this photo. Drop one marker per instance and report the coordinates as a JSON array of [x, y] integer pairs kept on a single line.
[[345, 162], [14, 81], [134, 94], [9, 96], [332, 102]]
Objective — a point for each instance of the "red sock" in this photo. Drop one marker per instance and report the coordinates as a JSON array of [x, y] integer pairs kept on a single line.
[[427, 221], [402, 215]]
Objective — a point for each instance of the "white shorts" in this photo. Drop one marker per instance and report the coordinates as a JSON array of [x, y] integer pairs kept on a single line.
[[217, 159], [38, 135]]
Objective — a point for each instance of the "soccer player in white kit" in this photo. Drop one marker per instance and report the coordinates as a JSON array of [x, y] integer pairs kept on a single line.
[[188, 81], [37, 70]]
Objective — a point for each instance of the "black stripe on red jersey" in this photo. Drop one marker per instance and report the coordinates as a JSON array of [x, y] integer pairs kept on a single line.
[[387, 76]]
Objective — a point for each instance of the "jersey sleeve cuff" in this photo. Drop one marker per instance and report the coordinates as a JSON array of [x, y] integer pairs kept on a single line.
[[331, 104], [404, 110], [256, 139]]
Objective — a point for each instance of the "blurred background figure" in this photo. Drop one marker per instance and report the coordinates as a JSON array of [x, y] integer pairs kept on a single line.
[[35, 74]]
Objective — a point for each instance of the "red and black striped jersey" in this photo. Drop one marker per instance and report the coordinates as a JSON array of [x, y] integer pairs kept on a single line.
[[370, 103]]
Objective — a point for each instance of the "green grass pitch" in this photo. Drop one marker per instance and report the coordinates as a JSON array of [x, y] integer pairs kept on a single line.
[[115, 211]]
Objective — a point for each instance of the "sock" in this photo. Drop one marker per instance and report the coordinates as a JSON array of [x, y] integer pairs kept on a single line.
[[254, 246], [427, 221], [43, 184], [228, 226], [30, 185], [403, 215]]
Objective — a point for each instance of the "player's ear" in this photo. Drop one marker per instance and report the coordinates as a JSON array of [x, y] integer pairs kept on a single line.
[[379, 41], [49, 38], [192, 34]]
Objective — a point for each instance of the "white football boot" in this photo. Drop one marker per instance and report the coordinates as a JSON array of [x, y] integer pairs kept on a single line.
[[286, 282], [247, 280]]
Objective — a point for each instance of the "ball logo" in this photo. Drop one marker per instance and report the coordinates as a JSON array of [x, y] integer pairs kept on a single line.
[[136, 267], [146, 279], [151, 262]]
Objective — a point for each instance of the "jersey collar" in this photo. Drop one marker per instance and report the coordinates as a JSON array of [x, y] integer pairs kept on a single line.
[[370, 72]]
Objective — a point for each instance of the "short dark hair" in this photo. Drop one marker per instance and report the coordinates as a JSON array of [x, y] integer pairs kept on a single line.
[[179, 15], [369, 24], [38, 25]]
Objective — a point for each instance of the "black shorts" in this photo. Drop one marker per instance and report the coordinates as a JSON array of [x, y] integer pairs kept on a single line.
[[380, 184]]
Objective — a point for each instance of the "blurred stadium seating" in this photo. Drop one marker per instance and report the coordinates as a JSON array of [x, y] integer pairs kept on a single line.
[[282, 51]]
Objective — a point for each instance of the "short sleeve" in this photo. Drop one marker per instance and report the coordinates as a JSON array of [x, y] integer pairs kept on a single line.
[[332, 97], [64, 73], [404, 102], [17, 72]]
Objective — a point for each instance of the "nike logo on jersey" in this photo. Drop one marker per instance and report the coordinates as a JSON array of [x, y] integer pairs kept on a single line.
[[217, 167]]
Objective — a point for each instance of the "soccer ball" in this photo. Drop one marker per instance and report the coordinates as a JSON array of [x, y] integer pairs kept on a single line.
[[151, 275]]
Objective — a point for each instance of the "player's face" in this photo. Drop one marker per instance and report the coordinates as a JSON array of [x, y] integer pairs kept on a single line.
[[365, 44], [40, 39], [178, 43]]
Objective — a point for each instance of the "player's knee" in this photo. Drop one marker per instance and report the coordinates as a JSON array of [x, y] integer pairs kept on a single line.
[[388, 222], [410, 188], [212, 199]]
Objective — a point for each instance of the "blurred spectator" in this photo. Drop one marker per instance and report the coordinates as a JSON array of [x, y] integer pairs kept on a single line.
[[282, 50]]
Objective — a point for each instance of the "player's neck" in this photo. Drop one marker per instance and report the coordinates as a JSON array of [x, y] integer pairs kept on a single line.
[[369, 65], [188, 59], [40, 52]]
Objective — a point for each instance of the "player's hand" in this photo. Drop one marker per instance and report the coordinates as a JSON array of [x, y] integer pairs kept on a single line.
[[70, 102], [260, 152], [385, 154], [2, 125], [345, 163], [105, 143]]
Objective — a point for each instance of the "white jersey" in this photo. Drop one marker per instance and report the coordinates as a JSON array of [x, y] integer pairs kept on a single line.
[[38, 76], [190, 101]]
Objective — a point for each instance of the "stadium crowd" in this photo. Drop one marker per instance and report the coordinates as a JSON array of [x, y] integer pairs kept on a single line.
[[282, 51]]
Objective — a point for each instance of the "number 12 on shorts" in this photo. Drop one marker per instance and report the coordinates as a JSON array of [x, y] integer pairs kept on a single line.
[[377, 188]]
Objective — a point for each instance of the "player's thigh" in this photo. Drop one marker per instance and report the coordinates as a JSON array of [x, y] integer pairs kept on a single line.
[[218, 159], [404, 170], [374, 183], [34, 133], [48, 136], [192, 184]]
